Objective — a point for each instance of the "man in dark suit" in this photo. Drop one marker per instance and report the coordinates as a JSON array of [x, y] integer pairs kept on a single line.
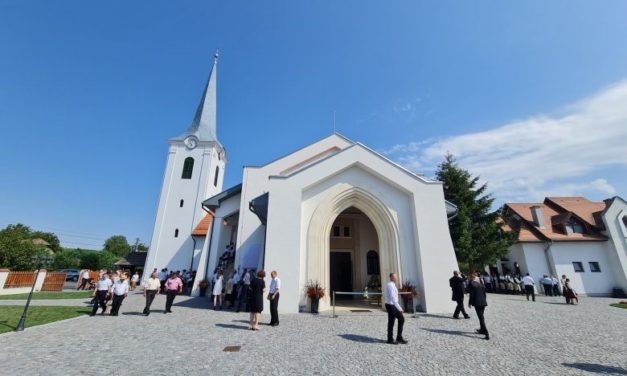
[[478, 300], [457, 285]]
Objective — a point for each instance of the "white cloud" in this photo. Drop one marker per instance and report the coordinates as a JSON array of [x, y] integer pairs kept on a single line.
[[541, 154]]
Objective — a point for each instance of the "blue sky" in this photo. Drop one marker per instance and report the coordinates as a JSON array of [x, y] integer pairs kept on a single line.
[[530, 95]]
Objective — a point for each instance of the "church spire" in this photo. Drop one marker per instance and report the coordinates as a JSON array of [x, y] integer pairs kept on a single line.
[[204, 124]]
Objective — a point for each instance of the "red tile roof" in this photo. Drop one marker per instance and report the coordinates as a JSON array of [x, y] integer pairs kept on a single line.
[[555, 211], [203, 226]]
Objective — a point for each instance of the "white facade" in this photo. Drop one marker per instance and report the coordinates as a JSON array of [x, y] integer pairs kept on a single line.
[[307, 191], [185, 187], [603, 260]]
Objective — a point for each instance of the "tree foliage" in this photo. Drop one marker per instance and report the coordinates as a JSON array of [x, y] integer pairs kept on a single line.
[[476, 235], [117, 245], [52, 239], [17, 248]]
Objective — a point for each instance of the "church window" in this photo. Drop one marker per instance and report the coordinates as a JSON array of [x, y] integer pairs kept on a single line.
[[215, 178], [594, 267], [625, 220], [347, 232], [372, 262], [578, 266], [336, 231], [188, 167], [176, 233], [181, 204]]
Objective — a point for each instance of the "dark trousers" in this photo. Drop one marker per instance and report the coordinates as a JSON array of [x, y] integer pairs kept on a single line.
[[556, 290], [150, 296], [101, 296], [242, 298], [548, 290], [394, 313], [84, 283], [482, 327], [274, 310], [460, 308], [529, 291], [170, 299], [117, 302]]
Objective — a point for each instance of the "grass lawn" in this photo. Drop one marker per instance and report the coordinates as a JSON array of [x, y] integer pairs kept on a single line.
[[37, 315], [619, 305], [49, 295]]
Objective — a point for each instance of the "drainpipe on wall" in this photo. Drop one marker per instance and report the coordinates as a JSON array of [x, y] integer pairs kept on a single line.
[[210, 241], [191, 264], [552, 270]]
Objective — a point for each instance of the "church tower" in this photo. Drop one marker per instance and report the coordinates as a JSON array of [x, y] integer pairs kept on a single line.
[[194, 172]]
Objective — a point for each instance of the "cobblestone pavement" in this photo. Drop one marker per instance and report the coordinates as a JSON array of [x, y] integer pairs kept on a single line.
[[541, 338]]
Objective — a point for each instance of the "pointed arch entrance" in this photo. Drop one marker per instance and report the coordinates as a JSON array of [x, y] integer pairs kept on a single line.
[[321, 227]]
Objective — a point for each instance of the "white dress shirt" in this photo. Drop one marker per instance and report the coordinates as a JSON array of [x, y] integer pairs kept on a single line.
[[528, 281], [120, 287], [85, 275], [391, 293], [236, 278], [275, 284], [104, 284]]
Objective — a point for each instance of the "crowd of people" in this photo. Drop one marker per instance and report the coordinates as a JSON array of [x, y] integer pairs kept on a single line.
[[526, 285]]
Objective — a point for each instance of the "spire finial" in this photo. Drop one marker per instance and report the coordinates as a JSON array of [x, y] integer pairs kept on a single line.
[[216, 55]]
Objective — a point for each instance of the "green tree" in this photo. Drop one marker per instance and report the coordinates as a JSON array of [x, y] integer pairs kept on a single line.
[[49, 237], [67, 259], [97, 260], [117, 245], [17, 249], [477, 237]]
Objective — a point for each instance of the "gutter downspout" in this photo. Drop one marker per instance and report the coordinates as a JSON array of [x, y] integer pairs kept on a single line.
[[191, 264], [552, 269], [210, 241]]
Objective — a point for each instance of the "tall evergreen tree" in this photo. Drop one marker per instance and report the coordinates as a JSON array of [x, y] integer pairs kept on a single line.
[[477, 237]]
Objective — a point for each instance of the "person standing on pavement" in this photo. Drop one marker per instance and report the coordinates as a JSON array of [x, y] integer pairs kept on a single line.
[[395, 312], [529, 286], [173, 286], [134, 280], [547, 284], [457, 285], [103, 288], [152, 287], [273, 296], [563, 281], [85, 279], [120, 291], [242, 297], [217, 290], [258, 286], [478, 300]]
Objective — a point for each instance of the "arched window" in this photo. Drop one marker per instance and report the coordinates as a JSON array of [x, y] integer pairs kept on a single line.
[[188, 167], [372, 262], [215, 179], [181, 203], [176, 233]]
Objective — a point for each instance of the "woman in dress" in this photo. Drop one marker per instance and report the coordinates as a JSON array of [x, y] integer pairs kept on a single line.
[[569, 293], [228, 292], [217, 291], [258, 286]]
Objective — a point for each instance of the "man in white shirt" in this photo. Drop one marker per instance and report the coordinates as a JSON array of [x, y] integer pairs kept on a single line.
[[547, 284], [85, 279], [120, 291], [151, 288], [275, 286], [394, 311], [529, 286], [103, 288], [134, 280]]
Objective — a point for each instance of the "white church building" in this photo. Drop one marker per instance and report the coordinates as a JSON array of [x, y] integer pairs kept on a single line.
[[335, 211]]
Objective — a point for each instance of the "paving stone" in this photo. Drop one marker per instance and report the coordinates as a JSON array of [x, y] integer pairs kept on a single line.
[[527, 338]]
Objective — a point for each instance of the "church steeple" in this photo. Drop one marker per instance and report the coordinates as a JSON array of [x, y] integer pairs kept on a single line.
[[204, 124]]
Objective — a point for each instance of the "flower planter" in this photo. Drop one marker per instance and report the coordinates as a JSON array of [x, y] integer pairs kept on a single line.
[[314, 305]]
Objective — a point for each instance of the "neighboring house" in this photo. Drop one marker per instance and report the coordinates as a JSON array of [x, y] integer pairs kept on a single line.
[[585, 240]]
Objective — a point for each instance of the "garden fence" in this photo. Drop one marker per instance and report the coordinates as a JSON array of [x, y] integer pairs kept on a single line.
[[20, 279], [54, 281]]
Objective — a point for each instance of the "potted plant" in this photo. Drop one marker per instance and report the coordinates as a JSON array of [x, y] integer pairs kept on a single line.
[[203, 286], [315, 292], [408, 287]]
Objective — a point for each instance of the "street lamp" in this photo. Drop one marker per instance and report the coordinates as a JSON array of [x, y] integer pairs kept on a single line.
[[39, 262]]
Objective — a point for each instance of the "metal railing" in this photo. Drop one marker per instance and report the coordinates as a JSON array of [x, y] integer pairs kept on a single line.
[[411, 297]]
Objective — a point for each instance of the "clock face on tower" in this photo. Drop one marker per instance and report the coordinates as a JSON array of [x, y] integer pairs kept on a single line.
[[191, 142]]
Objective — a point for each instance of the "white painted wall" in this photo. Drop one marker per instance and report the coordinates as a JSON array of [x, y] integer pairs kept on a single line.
[[601, 283], [166, 250], [617, 231]]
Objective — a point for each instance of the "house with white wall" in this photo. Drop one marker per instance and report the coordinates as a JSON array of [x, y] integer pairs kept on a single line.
[[572, 236]]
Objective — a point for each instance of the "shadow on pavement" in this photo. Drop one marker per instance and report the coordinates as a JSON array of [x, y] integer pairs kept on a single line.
[[451, 332], [436, 316], [597, 368], [360, 338], [231, 326], [198, 302]]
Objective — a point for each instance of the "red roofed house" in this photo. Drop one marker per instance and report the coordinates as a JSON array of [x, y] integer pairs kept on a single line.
[[583, 239]]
